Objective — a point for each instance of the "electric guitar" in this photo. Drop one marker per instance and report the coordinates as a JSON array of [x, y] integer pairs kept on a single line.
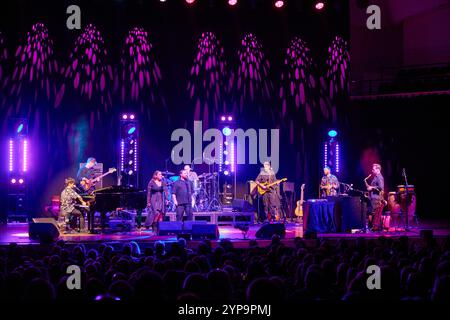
[[87, 184], [299, 208], [268, 186]]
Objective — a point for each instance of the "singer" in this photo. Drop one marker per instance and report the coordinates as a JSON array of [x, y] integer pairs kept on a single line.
[[376, 190]]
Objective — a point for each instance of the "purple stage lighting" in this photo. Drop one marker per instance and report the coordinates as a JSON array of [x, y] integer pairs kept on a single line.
[[337, 67], [11, 155], [279, 3], [319, 5], [223, 118], [13, 181], [21, 181], [190, 1], [230, 118], [325, 158], [132, 117], [125, 117], [337, 157], [25, 155], [232, 157]]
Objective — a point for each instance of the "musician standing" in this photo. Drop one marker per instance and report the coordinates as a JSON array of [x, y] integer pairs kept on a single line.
[[182, 196], [329, 185], [156, 200], [86, 173], [271, 199], [376, 189], [68, 204], [192, 176]]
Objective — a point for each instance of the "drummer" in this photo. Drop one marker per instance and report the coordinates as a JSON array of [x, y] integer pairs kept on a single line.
[[192, 176]]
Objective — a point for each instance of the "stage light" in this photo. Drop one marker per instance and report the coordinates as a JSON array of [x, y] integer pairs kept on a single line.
[[11, 155], [130, 152], [337, 157], [226, 172], [226, 131], [124, 117], [132, 117], [21, 181], [319, 5], [325, 158], [131, 141], [227, 162], [225, 152], [190, 1], [230, 118], [20, 128], [223, 118], [162, 0], [13, 181], [122, 154], [332, 133], [232, 157], [232, 2], [130, 172], [131, 130], [25, 155], [225, 143], [279, 3], [130, 162]]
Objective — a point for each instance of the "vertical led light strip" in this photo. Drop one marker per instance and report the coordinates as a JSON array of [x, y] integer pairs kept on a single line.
[[122, 154], [25, 155], [325, 162], [11, 155], [220, 156], [135, 155], [337, 157], [232, 156]]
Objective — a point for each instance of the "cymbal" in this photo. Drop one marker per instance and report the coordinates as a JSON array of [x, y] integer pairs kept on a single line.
[[167, 173], [204, 175]]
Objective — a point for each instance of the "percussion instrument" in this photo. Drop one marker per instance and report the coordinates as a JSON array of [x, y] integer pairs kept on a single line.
[[401, 189]]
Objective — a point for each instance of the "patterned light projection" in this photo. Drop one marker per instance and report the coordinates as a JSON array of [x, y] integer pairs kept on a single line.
[[208, 78], [337, 67], [34, 67], [252, 81], [140, 74], [88, 70], [298, 81]]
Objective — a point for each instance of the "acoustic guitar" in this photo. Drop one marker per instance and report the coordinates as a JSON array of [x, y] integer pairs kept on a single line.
[[269, 186], [87, 184], [299, 208]]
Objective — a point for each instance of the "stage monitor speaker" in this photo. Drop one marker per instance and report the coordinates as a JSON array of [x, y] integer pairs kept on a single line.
[[241, 205], [43, 229], [205, 231], [353, 213], [268, 230], [169, 227]]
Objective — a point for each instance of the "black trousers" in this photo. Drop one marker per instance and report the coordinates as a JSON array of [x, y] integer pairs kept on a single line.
[[181, 209], [77, 214]]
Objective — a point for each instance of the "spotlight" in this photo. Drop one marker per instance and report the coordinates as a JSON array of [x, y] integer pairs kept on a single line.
[[20, 128], [13, 181], [226, 131], [130, 172], [279, 3], [227, 162], [223, 118], [131, 130], [232, 2], [124, 117], [319, 5], [332, 133], [20, 181], [130, 162], [190, 1], [226, 172], [132, 117], [230, 118], [162, 0]]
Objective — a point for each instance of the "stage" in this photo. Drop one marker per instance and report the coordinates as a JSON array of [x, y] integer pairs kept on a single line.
[[18, 233]]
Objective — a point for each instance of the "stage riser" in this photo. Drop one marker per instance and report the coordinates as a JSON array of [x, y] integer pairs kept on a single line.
[[219, 218]]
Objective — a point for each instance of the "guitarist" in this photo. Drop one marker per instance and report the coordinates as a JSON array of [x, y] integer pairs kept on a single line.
[[86, 173], [271, 199]]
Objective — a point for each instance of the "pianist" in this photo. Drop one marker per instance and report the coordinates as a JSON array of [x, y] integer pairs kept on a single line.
[[69, 202]]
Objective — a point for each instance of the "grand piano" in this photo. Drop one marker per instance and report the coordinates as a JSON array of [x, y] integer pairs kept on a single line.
[[112, 198]]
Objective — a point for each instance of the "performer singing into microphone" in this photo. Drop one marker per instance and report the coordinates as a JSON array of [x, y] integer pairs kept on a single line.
[[156, 200], [376, 189], [329, 184]]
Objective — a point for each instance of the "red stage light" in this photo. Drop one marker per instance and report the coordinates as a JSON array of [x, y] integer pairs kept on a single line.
[[190, 1], [279, 3], [232, 2], [319, 5]]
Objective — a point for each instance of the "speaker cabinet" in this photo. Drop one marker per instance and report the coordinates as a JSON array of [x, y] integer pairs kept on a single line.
[[169, 227], [353, 213], [205, 231], [268, 230], [43, 229]]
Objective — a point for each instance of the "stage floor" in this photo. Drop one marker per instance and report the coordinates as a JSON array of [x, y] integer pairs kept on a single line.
[[18, 233]]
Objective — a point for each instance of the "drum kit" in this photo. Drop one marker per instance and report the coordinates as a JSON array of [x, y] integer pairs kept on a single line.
[[205, 195]]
